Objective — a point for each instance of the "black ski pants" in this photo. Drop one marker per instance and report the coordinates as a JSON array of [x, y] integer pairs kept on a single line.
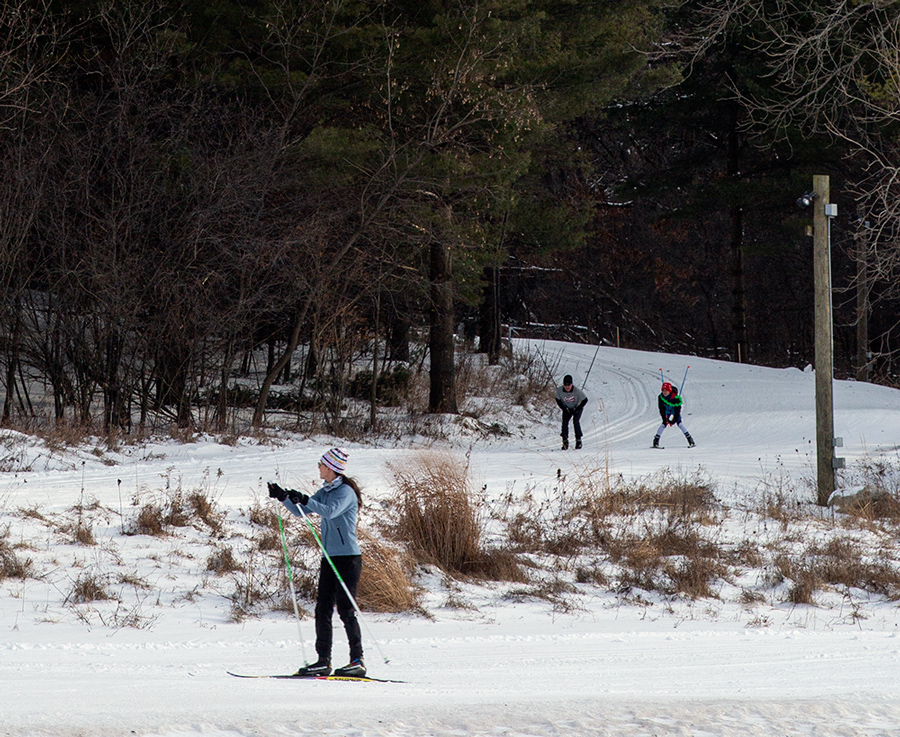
[[575, 416], [330, 593]]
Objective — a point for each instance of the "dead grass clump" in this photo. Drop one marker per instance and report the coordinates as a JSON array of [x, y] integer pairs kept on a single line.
[[870, 505], [203, 506], [31, 513], [498, 564], [525, 532], [222, 561], [11, 565], [838, 563], [83, 534], [257, 585], [386, 584], [436, 514], [592, 575], [780, 507], [63, 434], [177, 509], [151, 520], [675, 559], [693, 577], [747, 555], [262, 515], [688, 498], [87, 588], [555, 590], [584, 517], [843, 563]]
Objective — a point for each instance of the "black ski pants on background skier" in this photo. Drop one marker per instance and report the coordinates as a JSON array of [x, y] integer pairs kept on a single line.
[[575, 416], [331, 592]]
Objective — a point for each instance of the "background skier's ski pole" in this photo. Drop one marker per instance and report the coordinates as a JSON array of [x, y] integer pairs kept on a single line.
[[290, 573], [584, 383], [549, 372], [341, 581], [684, 379]]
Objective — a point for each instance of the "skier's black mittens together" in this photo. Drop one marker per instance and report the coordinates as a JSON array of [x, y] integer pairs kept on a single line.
[[297, 497], [276, 492]]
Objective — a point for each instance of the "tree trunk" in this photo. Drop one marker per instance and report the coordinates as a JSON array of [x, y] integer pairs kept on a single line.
[[739, 304], [398, 337], [12, 365], [442, 395], [489, 322]]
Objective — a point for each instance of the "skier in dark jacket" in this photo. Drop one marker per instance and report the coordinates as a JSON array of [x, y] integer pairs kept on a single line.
[[571, 401], [670, 404], [337, 503]]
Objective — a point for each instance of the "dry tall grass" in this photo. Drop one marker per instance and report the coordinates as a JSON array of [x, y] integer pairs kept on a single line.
[[441, 521], [176, 508], [840, 564], [437, 517], [652, 531], [12, 565], [386, 584]]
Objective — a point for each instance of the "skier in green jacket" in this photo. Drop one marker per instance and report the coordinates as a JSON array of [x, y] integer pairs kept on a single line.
[[670, 404]]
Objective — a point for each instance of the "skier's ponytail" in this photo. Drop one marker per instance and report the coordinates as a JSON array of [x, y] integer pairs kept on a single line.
[[354, 484]]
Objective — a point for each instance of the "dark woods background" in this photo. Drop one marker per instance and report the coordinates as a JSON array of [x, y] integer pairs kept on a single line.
[[237, 204]]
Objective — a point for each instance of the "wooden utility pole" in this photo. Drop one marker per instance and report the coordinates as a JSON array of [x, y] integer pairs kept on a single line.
[[824, 341]]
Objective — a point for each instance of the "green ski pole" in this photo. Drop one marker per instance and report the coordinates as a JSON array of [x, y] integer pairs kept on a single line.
[[290, 573]]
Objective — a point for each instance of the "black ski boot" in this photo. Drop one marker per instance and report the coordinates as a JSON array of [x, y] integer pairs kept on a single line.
[[319, 668], [577, 443], [656, 441], [565, 445], [354, 669], [690, 440]]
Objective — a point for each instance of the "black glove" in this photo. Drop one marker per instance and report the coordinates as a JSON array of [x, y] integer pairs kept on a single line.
[[276, 492], [298, 497]]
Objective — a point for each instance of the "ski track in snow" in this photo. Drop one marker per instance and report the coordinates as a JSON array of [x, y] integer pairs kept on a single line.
[[649, 683]]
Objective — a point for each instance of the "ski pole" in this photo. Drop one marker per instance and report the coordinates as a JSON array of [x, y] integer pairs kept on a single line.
[[549, 372], [584, 383], [290, 573], [341, 581]]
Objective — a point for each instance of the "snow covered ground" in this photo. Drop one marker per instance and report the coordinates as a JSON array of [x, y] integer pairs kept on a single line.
[[605, 666]]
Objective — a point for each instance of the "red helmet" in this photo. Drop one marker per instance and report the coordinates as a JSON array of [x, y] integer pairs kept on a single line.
[[666, 387]]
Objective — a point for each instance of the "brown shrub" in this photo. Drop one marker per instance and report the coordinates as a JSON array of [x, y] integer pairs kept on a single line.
[[675, 559], [436, 515], [204, 507], [386, 584], [871, 505], [151, 520], [87, 588], [83, 534], [11, 565], [222, 561]]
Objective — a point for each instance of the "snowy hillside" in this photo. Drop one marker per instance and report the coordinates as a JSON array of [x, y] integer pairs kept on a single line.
[[602, 657]]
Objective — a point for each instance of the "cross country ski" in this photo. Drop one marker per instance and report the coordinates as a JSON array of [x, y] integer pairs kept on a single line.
[[296, 677]]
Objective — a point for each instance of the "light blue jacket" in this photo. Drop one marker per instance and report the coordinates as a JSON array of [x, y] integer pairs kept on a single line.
[[338, 507]]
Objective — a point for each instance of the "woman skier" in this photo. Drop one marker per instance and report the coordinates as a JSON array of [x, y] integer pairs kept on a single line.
[[337, 503]]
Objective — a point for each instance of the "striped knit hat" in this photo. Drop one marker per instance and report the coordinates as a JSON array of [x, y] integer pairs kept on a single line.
[[335, 459]]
